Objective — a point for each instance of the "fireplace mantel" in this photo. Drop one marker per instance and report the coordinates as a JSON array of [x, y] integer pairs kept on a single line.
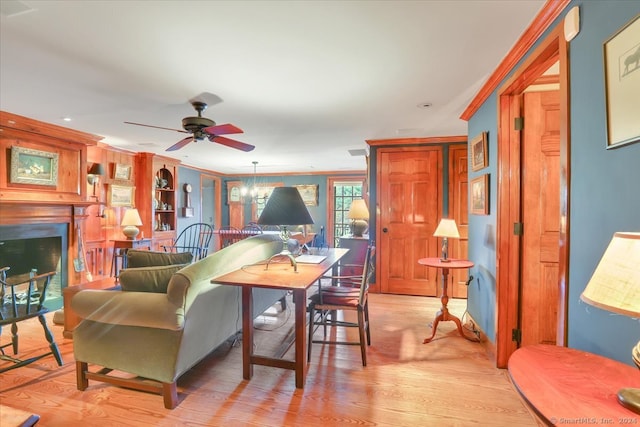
[[65, 202], [13, 213]]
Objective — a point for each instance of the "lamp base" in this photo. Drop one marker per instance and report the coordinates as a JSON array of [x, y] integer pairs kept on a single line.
[[358, 227], [285, 252], [131, 231], [630, 399]]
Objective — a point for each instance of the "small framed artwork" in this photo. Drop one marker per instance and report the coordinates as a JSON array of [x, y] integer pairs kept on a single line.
[[120, 195], [480, 195], [122, 172], [309, 194], [479, 152], [33, 167], [622, 85]]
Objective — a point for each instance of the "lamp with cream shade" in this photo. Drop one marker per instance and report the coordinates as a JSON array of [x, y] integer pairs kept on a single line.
[[358, 214], [447, 228], [615, 287], [131, 221]]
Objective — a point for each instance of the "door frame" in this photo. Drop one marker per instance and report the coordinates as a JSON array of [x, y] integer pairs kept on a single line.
[[508, 263]]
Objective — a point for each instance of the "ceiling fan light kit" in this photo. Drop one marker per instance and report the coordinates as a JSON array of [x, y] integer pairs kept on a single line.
[[202, 128]]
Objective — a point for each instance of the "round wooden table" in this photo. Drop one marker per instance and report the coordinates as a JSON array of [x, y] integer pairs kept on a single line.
[[443, 314], [571, 386]]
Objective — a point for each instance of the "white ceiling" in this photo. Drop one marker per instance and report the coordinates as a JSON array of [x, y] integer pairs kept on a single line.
[[306, 80]]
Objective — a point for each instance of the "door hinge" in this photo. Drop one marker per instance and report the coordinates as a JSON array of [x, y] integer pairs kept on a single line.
[[516, 335], [518, 123], [518, 229]]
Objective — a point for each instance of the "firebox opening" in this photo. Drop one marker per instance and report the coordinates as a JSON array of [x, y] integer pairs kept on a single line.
[[42, 247]]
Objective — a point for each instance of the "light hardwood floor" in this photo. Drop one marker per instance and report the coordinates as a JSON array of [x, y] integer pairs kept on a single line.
[[448, 382]]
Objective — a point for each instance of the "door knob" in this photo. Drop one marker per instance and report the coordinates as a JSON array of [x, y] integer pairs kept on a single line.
[[385, 229]]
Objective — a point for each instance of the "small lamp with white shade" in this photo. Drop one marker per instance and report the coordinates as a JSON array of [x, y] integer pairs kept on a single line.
[[615, 287], [131, 221], [446, 229]]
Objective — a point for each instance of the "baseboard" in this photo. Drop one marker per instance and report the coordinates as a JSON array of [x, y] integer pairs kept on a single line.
[[486, 343]]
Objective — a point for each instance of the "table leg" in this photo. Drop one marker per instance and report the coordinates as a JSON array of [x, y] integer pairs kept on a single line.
[[443, 314], [247, 332], [301, 366]]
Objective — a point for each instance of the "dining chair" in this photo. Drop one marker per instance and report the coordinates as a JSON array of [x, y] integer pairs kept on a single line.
[[24, 299], [345, 293], [195, 239]]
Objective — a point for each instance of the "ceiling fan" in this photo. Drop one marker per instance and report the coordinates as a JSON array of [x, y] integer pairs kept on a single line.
[[201, 127]]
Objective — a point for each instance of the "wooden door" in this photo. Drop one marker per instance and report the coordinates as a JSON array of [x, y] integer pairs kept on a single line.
[[410, 202], [459, 211], [541, 218]]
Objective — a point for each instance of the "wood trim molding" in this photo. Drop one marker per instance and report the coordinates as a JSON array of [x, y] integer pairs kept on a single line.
[[547, 80], [25, 124], [417, 141], [552, 48], [549, 12]]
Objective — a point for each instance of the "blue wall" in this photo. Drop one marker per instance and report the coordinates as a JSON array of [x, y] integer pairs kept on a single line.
[[604, 191], [192, 176], [318, 213], [187, 175]]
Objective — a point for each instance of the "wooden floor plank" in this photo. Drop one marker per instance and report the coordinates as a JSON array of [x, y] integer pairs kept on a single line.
[[448, 382]]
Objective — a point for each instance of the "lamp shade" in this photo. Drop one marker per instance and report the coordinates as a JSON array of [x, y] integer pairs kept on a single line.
[[130, 222], [96, 169], [131, 217], [358, 210], [285, 207], [615, 284], [447, 228]]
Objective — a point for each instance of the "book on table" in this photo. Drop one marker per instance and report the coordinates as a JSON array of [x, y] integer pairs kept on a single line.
[[310, 259]]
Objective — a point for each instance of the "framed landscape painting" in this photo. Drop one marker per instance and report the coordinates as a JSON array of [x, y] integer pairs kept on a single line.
[[33, 167], [480, 195], [479, 152], [122, 172], [309, 194], [120, 195]]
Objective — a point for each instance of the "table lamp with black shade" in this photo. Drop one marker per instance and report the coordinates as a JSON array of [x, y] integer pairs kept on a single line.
[[615, 287], [285, 207]]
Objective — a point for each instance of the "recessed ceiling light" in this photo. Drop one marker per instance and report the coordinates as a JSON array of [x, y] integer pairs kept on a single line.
[[66, 119], [425, 105]]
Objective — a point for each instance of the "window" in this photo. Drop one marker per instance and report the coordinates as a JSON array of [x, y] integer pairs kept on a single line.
[[344, 193]]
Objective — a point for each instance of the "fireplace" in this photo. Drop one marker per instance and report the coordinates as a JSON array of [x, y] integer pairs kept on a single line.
[[43, 247]]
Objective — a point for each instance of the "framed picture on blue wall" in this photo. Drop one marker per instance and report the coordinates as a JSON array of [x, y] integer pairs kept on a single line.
[[480, 195], [622, 85], [479, 152]]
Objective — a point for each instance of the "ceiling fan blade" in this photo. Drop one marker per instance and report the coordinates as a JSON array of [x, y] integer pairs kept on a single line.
[[231, 143], [180, 144], [157, 127], [222, 129]]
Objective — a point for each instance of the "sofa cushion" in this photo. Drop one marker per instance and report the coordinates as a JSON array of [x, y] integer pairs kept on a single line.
[[148, 279], [139, 258]]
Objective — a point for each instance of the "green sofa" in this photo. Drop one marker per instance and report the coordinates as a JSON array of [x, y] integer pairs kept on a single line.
[[166, 318]]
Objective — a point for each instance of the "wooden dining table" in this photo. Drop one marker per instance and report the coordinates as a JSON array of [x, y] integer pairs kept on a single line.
[[278, 275]]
